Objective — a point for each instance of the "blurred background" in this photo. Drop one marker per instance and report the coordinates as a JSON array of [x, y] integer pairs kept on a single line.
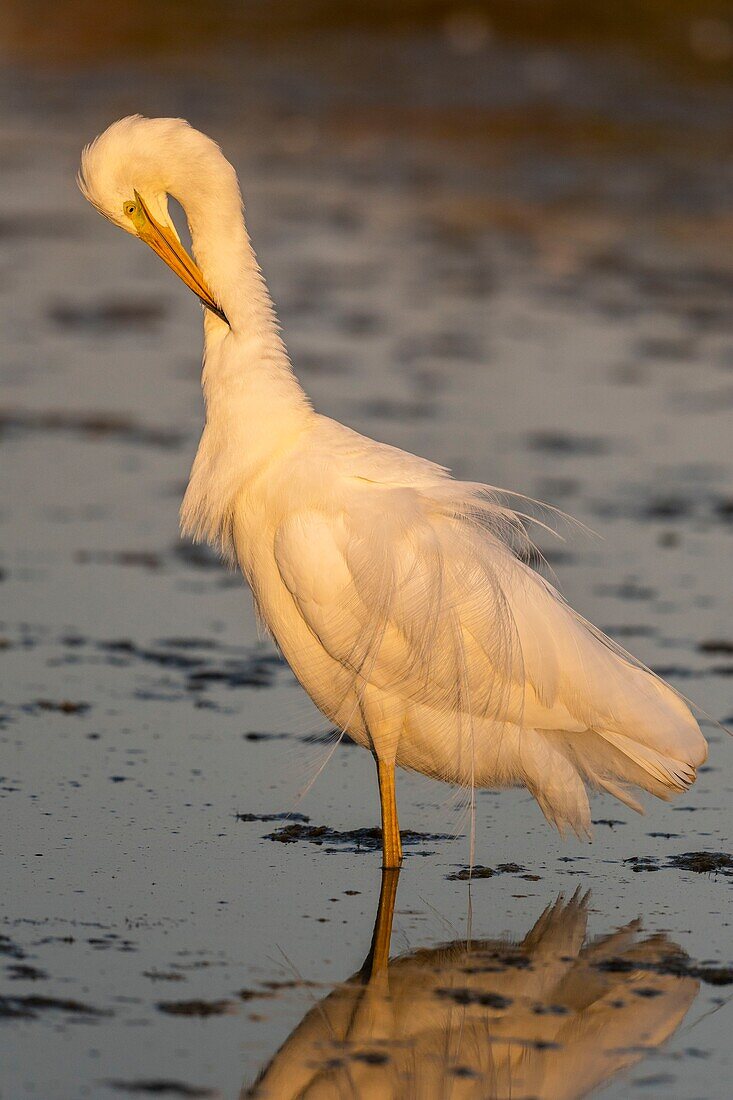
[[498, 234], [690, 36]]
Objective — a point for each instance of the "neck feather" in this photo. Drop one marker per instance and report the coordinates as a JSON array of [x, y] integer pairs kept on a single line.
[[206, 187], [255, 406]]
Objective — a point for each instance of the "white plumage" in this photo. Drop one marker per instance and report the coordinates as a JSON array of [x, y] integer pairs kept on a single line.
[[398, 595]]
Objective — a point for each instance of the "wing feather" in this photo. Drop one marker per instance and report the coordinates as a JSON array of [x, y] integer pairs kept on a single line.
[[417, 588]]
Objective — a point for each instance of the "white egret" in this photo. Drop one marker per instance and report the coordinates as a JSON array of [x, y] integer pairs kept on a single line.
[[397, 594]]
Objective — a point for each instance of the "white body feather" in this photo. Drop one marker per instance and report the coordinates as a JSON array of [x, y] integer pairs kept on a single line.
[[394, 591]]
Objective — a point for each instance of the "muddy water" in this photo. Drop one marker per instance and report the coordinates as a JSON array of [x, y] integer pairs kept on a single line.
[[517, 263]]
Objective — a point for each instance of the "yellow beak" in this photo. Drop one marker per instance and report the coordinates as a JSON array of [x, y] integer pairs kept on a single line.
[[165, 243]]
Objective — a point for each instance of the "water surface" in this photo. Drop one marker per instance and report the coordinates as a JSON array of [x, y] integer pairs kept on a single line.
[[499, 261]]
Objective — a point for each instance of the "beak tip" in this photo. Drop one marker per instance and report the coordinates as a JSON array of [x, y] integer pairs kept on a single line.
[[166, 244]]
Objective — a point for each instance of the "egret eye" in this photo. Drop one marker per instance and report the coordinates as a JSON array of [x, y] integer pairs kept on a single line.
[[129, 209]]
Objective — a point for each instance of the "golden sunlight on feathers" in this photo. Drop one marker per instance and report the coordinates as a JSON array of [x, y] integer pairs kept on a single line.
[[398, 594]]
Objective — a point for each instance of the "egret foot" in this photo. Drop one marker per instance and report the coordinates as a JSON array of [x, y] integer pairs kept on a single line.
[[391, 842]]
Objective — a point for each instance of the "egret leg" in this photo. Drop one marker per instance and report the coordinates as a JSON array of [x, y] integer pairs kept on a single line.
[[391, 842]]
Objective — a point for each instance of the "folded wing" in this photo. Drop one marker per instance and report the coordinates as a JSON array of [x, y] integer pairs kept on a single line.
[[418, 592]]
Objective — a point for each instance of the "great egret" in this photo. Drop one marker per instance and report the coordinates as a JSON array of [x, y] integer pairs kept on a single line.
[[398, 595], [553, 1017]]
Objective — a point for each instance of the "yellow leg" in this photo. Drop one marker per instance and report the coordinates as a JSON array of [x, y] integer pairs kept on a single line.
[[391, 842]]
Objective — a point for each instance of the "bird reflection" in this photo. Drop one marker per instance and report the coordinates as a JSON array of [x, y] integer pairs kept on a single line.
[[551, 1018]]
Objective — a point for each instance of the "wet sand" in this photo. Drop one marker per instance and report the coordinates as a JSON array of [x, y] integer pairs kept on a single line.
[[478, 258]]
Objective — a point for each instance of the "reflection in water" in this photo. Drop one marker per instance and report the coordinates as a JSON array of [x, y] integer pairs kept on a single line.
[[550, 1018]]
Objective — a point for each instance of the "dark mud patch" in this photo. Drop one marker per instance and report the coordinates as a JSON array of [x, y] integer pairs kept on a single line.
[[254, 672], [24, 973], [188, 643], [161, 1087], [271, 987], [716, 647], [391, 409], [197, 1008], [87, 425], [31, 1007], [667, 507], [351, 840], [107, 316], [248, 670], [27, 638], [628, 590], [467, 874], [255, 736], [124, 650], [201, 662], [62, 706], [702, 863], [643, 863], [196, 554], [254, 994], [563, 443], [136, 559], [272, 817], [9, 949], [723, 508]]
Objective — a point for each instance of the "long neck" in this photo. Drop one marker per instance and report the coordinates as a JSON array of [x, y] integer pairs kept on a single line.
[[255, 406], [209, 193]]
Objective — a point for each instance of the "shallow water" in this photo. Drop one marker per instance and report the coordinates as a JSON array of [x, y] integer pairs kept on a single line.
[[545, 307]]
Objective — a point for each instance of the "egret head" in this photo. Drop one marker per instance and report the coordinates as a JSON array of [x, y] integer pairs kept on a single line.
[[128, 173]]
